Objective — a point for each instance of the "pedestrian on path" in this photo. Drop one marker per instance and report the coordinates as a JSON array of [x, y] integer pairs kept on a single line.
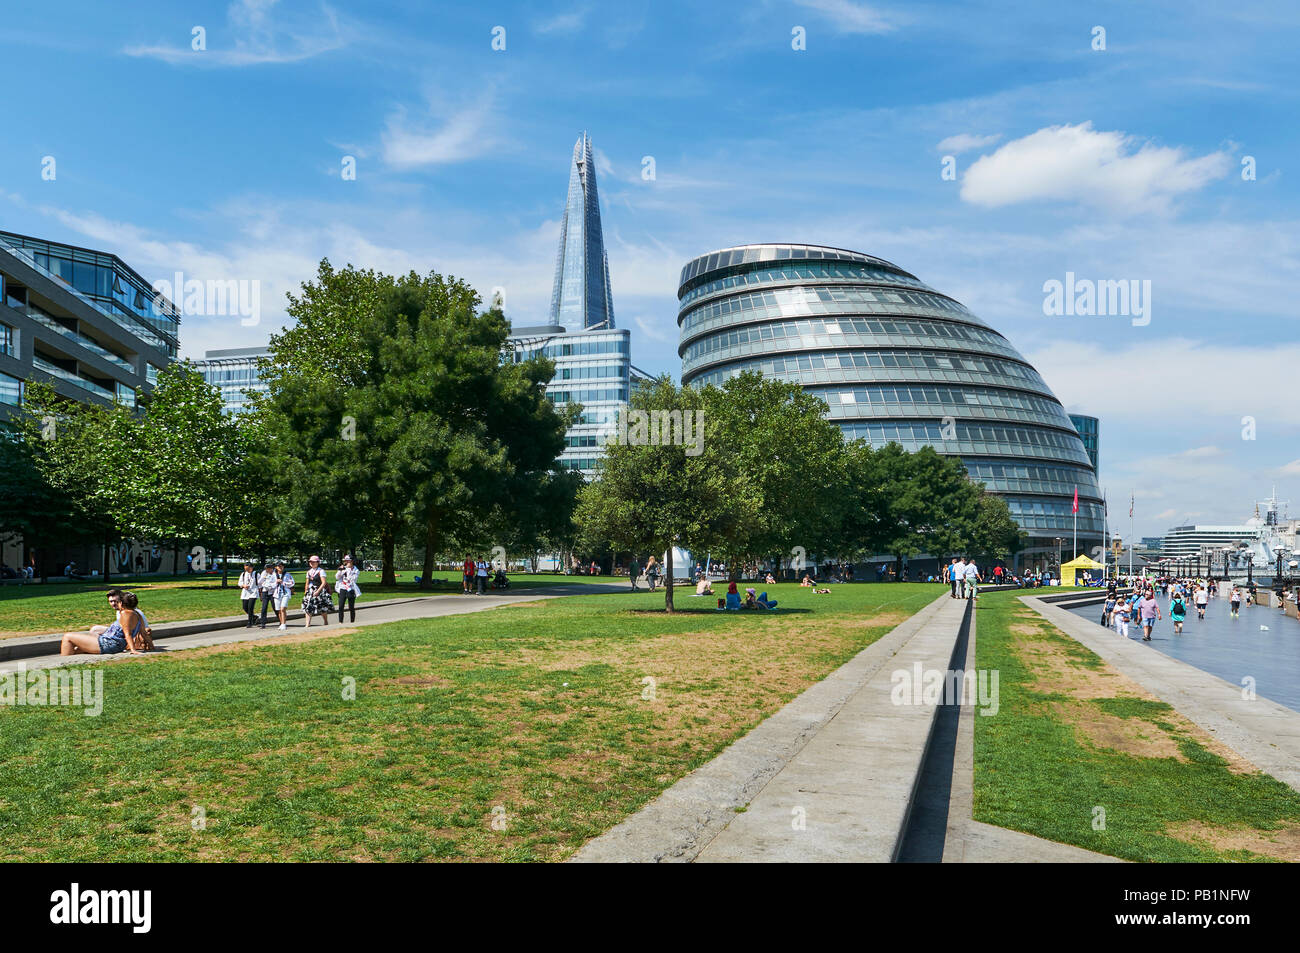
[[972, 574], [1202, 599], [1234, 602], [346, 588], [266, 583], [283, 590], [1120, 617], [248, 593], [634, 570], [315, 594], [957, 573], [1149, 610], [1177, 612], [652, 572]]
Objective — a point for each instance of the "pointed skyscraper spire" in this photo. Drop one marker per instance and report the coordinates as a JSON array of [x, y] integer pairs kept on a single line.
[[581, 298]]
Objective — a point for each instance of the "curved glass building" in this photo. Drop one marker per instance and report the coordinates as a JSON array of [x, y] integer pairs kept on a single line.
[[894, 360]]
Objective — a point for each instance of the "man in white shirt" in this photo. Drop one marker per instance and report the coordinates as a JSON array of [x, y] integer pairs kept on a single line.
[[972, 574], [481, 576], [958, 576]]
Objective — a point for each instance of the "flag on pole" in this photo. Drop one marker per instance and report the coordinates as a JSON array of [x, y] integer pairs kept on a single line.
[[1076, 500]]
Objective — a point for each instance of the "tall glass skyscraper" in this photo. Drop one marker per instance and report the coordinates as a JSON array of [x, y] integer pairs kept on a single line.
[[895, 360], [581, 299]]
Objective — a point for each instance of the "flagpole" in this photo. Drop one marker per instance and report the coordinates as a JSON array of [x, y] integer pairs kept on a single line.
[[1075, 552], [1131, 500], [1105, 536]]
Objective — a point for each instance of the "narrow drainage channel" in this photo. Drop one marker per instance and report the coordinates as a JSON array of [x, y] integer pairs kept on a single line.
[[926, 829]]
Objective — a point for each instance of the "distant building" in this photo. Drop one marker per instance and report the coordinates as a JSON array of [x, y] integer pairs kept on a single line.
[[593, 364], [1191, 540], [80, 320], [894, 360], [1089, 432], [235, 372]]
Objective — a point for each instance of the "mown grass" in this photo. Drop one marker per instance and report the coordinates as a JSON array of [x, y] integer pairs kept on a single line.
[[1037, 769], [70, 606], [564, 716]]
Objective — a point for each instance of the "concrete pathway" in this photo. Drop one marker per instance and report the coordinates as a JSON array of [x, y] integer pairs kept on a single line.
[[202, 632], [1263, 732]]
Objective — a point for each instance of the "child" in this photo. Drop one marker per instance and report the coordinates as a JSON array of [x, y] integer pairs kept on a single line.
[[1234, 600], [1107, 609]]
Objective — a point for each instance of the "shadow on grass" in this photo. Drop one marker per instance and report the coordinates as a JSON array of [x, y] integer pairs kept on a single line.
[[715, 611]]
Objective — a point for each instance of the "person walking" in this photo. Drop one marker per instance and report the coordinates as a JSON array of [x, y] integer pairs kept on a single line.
[[1234, 602], [316, 594], [1202, 600], [652, 572], [1149, 610], [634, 570], [972, 574], [1120, 617], [1177, 612], [248, 593], [346, 588], [957, 574], [284, 583], [266, 582]]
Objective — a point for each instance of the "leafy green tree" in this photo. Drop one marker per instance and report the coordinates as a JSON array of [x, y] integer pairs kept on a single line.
[[31, 508], [794, 458], [652, 495]]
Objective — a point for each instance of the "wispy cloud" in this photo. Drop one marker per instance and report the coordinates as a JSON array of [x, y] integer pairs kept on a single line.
[[849, 17], [1082, 165], [569, 22], [964, 142], [257, 40], [464, 135]]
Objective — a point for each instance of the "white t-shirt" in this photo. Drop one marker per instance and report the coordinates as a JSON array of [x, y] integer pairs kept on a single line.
[[959, 570]]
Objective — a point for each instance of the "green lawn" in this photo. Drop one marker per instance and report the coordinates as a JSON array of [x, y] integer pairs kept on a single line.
[[62, 607], [1072, 736], [555, 719]]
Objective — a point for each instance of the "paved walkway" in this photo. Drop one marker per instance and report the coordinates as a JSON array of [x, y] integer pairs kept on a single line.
[[1263, 732], [422, 607], [842, 773]]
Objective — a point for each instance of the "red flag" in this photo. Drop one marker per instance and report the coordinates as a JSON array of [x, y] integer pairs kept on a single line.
[[1076, 500]]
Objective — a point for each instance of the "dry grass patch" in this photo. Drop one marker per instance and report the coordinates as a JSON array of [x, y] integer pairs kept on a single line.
[[1282, 844]]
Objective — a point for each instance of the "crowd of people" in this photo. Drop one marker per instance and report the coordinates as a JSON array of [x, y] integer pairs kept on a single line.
[[1141, 607]]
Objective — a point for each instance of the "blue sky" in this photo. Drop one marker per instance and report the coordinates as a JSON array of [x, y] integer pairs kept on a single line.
[[1115, 164]]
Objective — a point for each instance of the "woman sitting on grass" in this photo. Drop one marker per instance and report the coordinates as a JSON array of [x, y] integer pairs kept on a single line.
[[702, 588], [125, 634], [807, 582]]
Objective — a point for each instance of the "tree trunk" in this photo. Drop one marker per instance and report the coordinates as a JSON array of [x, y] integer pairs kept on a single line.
[[668, 579], [225, 563], [389, 577], [108, 544], [430, 542], [176, 558]]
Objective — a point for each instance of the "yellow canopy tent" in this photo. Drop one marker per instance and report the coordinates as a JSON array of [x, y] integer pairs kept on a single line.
[[1072, 572]]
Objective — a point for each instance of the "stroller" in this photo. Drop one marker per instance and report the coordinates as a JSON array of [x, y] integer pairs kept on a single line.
[[500, 580]]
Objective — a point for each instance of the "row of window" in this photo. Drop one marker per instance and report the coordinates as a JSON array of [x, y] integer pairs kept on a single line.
[[783, 301], [580, 463], [618, 345], [587, 395], [867, 330], [835, 271], [880, 432], [614, 371], [738, 256], [939, 394], [931, 360]]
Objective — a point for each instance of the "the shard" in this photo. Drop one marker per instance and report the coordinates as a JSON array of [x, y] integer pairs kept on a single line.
[[581, 299]]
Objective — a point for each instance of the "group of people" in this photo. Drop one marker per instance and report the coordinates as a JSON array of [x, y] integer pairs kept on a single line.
[[273, 588], [1141, 606], [964, 578], [651, 573]]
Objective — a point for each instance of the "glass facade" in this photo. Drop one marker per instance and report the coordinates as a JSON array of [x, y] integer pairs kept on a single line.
[[106, 282], [592, 368], [895, 360], [581, 299], [1090, 433], [234, 371]]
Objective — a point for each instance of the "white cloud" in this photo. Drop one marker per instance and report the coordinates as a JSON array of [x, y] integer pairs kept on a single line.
[[965, 141], [256, 39], [849, 17], [564, 22], [464, 135], [1289, 469], [654, 330], [1100, 169]]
